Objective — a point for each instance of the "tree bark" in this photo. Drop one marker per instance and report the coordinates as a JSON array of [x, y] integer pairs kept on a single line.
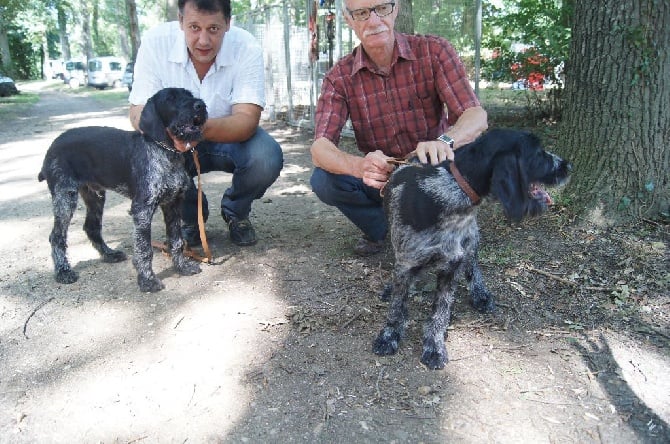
[[404, 22], [616, 121]]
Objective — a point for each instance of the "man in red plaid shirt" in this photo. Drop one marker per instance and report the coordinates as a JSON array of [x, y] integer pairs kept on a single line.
[[401, 92]]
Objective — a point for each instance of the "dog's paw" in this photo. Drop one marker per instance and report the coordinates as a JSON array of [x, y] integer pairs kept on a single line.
[[188, 268], [149, 285], [434, 355], [387, 342], [68, 276], [113, 256]]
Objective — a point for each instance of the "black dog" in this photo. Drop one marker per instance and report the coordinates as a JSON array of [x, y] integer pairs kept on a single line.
[[144, 167], [432, 223]]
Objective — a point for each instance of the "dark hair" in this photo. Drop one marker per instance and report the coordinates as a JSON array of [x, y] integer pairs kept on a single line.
[[208, 6]]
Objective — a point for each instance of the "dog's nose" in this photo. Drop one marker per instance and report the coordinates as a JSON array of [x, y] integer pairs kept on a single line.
[[199, 105]]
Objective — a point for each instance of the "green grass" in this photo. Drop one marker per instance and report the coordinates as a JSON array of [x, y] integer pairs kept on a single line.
[[13, 105]]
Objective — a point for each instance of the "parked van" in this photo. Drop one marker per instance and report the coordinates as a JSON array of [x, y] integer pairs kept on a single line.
[[75, 73], [105, 71]]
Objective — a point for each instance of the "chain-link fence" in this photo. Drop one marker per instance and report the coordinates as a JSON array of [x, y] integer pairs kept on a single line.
[[301, 42]]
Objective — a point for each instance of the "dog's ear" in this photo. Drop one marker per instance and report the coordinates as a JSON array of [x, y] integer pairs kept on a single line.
[[509, 185], [151, 123]]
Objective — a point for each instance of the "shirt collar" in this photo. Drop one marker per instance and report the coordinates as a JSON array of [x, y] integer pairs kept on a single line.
[[401, 49]]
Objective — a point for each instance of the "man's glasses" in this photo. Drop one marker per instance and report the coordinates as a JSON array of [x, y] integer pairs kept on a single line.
[[364, 13]]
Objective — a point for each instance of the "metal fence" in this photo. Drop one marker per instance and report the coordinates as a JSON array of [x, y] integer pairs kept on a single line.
[[302, 42]]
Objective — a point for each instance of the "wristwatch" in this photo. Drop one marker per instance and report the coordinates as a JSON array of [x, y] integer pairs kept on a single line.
[[446, 139]]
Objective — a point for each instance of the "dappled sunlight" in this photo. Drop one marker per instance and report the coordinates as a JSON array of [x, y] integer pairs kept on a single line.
[[644, 370], [128, 368]]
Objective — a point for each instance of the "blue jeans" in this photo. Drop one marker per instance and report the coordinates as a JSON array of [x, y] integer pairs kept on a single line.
[[255, 164], [360, 203]]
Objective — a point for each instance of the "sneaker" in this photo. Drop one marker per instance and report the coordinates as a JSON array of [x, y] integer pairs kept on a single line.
[[241, 232], [366, 247], [191, 235]]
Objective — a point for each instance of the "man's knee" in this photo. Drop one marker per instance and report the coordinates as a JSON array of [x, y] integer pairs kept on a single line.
[[267, 158]]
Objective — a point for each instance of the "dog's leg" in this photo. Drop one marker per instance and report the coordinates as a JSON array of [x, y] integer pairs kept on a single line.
[[143, 254], [95, 203], [388, 340], [434, 354], [172, 217], [64, 201], [481, 298]]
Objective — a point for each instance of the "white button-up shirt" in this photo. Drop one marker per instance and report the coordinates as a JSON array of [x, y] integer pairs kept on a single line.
[[237, 75]]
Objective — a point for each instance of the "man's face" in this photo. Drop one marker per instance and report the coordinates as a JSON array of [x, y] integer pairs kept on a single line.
[[204, 33], [375, 31]]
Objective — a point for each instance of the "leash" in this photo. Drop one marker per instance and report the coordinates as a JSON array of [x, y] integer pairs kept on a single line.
[[201, 218], [460, 180], [207, 258]]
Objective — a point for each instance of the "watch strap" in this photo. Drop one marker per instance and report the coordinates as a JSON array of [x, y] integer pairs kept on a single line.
[[446, 139]]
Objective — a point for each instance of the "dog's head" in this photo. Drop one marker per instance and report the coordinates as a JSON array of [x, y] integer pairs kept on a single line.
[[520, 173], [174, 110]]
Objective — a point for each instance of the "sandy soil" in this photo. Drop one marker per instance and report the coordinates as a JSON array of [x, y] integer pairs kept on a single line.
[[272, 343]]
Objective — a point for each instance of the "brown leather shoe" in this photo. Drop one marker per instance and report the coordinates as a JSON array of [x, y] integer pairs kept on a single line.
[[366, 247]]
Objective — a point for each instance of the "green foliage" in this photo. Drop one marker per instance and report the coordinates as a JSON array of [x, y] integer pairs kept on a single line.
[[543, 25]]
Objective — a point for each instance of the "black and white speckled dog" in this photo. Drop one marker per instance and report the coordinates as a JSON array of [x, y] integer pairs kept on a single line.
[[432, 223], [144, 167]]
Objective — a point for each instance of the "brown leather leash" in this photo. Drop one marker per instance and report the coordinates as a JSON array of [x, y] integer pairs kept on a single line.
[[460, 180], [207, 258]]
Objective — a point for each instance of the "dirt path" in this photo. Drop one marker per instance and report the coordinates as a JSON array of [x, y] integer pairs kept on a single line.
[[273, 343]]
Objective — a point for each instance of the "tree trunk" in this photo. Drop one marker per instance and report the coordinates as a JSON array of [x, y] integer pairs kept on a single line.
[[62, 33], [171, 10], [404, 22], [134, 28], [616, 121], [87, 41], [5, 55]]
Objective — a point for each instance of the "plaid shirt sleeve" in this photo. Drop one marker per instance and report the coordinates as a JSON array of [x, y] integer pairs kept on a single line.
[[331, 109], [451, 80]]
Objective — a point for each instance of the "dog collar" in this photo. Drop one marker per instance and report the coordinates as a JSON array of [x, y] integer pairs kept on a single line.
[[465, 186], [174, 150]]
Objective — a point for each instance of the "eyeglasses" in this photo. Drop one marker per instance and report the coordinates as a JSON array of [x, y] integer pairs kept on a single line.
[[364, 13]]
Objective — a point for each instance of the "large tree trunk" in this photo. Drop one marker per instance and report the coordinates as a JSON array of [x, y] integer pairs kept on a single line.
[[405, 22], [616, 121]]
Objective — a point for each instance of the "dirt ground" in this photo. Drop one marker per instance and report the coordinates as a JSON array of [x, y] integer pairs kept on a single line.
[[272, 343]]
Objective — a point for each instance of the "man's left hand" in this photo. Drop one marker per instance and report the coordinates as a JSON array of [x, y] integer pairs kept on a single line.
[[435, 151]]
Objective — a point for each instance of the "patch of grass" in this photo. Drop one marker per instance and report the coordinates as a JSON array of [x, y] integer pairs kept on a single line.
[[17, 104]]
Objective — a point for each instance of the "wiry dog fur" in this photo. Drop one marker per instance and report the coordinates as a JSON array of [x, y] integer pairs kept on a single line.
[[90, 160], [432, 223]]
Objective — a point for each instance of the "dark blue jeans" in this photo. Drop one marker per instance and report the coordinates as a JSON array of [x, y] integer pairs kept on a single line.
[[360, 203], [255, 165]]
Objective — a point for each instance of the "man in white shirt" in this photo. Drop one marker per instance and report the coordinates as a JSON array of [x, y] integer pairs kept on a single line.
[[222, 65]]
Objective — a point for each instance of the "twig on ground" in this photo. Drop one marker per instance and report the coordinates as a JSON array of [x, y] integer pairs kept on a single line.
[[350, 320], [32, 313], [552, 276]]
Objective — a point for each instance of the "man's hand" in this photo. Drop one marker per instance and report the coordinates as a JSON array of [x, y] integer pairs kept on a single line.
[[376, 169], [435, 151]]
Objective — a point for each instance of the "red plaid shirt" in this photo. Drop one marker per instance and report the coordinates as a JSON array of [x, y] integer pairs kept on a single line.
[[394, 112]]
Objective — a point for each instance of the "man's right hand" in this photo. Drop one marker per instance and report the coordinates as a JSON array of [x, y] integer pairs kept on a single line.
[[376, 169]]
